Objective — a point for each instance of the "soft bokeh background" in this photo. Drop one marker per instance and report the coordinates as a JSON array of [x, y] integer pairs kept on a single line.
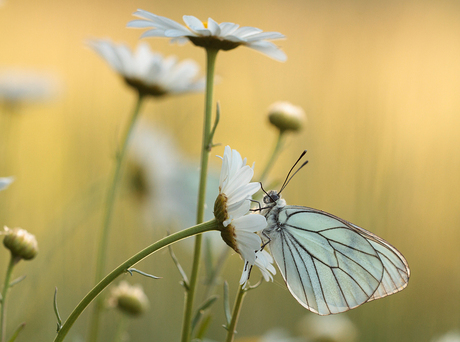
[[380, 82]]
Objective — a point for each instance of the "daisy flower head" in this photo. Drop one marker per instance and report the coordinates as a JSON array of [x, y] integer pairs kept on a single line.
[[224, 36], [238, 228], [148, 72], [18, 86]]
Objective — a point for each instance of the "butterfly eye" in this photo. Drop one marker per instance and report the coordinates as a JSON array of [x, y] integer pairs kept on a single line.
[[267, 199]]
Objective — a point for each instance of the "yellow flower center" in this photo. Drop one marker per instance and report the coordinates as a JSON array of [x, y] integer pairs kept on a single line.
[[205, 24]]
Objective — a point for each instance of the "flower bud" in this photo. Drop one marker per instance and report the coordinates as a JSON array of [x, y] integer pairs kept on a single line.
[[286, 117], [130, 299], [22, 244]]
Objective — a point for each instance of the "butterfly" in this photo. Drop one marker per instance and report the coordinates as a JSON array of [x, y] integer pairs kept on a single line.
[[329, 265]]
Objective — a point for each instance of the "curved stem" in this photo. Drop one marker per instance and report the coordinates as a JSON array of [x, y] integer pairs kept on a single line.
[[104, 237], [236, 314], [198, 229], [275, 153], [6, 286], [211, 55]]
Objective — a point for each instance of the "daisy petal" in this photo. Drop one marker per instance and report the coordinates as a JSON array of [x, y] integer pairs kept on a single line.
[[140, 24], [268, 49], [265, 36], [190, 21]]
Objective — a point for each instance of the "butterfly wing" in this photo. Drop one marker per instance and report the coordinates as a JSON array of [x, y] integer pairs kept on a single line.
[[330, 265]]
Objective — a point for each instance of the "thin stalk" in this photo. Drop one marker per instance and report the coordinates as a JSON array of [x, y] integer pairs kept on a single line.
[[198, 229], [275, 153], [104, 237], [236, 313], [6, 286], [211, 55], [121, 328]]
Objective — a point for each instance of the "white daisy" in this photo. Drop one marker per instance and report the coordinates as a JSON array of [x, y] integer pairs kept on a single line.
[[21, 85], [148, 72], [451, 336], [210, 34], [5, 182], [233, 203], [334, 328], [264, 261]]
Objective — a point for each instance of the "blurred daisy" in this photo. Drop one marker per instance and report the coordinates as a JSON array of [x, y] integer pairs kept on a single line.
[[210, 34], [233, 203], [162, 178], [20, 86], [336, 328], [451, 336], [148, 72], [5, 182], [166, 182], [278, 335]]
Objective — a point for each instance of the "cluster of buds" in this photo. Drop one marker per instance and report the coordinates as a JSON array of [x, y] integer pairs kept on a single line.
[[21, 243]]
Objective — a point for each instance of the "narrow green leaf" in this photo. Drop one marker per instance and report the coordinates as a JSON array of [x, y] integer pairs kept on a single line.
[[17, 280], [203, 327], [180, 269], [210, 144], [16, 332], [56, 311], [228, 312], [131, 270], [201, 309]]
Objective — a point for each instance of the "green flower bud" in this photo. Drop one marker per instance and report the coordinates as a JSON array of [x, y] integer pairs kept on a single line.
[[22, 244], [286, 117], [129, 299]]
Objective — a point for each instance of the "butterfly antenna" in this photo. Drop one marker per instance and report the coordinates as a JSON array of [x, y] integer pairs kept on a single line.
[[288, 177], [266, 193]]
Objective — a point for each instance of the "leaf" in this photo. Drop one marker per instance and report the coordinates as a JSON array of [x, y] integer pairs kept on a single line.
[[201, 309], [180, 269], [228, 313], [16, 332]]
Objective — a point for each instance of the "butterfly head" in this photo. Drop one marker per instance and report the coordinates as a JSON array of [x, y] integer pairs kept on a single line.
[[271, 198]]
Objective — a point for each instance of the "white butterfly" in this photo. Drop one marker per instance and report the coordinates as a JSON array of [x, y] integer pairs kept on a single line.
[[330, 265]]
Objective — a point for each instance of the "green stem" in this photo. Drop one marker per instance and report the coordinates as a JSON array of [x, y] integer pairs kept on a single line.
[[275, 153], [198, 229], [236, 314], [121, 328], [6, 286], [211, 55], [104, 237]]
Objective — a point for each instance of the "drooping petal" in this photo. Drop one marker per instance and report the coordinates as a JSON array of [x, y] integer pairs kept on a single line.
[[269, 49], [264, 36]]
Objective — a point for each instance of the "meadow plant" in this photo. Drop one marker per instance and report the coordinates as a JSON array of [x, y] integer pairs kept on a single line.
[[249, 227]]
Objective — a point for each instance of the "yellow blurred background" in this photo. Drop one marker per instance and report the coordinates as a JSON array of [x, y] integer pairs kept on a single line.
[[380, 82]]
